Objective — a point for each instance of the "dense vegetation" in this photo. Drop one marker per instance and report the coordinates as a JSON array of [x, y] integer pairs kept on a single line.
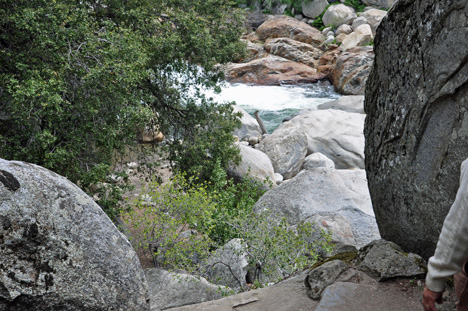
[[78, 79], [199, 218]]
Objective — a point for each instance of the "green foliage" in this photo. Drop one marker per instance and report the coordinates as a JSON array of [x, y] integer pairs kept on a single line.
[[78, 78], [181, 223], [356, 4]]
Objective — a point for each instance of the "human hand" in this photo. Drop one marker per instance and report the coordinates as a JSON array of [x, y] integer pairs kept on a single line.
[[430, 298]]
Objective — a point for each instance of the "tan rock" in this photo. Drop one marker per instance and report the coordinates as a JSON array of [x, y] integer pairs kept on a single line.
[[373, 17], [252, 37], [294, 50], [255, 50], [340, 38], [361, 36], [288, 27], [271, 70], [352, 69]]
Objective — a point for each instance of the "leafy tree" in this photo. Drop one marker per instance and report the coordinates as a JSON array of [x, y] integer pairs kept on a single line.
[[78, 78]]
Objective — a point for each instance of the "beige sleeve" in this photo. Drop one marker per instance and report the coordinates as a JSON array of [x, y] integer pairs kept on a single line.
[[452, 247]]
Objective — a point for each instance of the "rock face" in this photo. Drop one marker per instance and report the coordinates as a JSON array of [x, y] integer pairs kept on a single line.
[[332, 199], [294, 50], [58, 250], [352, 69], [271, 70], [288, 27], [336, 134], [168, 289], [287, 150], [417, 124], [337, 15]]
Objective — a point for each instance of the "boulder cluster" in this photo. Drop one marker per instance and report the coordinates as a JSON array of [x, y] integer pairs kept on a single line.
[[316, 163], [286, 50]]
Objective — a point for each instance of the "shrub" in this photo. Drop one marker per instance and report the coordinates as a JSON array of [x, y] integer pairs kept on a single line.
[[181, 223]]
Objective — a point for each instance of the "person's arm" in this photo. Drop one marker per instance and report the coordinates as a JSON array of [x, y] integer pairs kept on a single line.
[[452, 247]]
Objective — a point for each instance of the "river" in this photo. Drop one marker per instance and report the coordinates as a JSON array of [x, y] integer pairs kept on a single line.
[[274, 103]]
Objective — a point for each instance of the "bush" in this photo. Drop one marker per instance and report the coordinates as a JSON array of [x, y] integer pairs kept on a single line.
[[182, 223]]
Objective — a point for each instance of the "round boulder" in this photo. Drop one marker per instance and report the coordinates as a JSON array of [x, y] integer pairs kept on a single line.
[[59, 250], [337, 15], [286, 149]]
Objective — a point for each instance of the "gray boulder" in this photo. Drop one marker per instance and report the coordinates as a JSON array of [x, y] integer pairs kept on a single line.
[[384, 260], [286, 149], [373, 18], [337, 15], [350, 103], [170, 289], [344, 29], [59, 250], [249, 126], [332, 199], [314, 8], [254, 162], [315, 160], [361, 20], [417, 124], [324, 275], [228, 266], [336, 134]]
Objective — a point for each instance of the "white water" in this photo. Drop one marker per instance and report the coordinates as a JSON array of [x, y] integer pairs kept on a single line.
[[274, 103]]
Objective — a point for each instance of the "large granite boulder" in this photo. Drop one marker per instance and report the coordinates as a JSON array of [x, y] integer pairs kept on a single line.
[[59, 250], [417, 119], [271, 70], [335, 200], [336, 134], [170, 289], [288, 27], [254, 162], [351, 70], [286, 149], [294, 50], [337, 15]]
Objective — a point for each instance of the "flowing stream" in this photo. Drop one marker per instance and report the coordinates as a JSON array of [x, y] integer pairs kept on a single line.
[[274, 103]]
